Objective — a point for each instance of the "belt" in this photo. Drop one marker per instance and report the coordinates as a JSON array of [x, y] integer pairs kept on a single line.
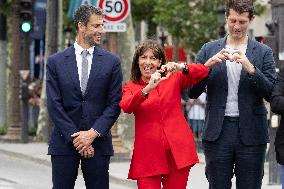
[[232, 119]]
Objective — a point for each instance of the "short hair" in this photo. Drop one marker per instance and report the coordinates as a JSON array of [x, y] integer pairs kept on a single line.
[[240, 6], [158, 52], [83, 14]]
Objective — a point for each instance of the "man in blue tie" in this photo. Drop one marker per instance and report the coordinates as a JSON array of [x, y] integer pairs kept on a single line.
[[83, 84]]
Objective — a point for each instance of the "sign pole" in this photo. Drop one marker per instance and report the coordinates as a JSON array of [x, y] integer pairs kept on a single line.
[[115, 12], [112, 42]]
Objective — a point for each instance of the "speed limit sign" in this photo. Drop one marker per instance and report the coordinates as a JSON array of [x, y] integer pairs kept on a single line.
[[115, 10]]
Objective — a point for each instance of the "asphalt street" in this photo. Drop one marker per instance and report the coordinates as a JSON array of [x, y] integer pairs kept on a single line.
[[26, 166], [18, 173]]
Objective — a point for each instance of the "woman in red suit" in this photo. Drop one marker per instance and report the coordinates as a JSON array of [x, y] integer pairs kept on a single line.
[[164, 147]]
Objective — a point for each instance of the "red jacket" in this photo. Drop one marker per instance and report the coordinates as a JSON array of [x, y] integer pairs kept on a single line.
[[160, 115]]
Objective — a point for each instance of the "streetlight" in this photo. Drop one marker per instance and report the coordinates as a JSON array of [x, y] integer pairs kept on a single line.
[[163, 39], [221, 20], [68, 36]]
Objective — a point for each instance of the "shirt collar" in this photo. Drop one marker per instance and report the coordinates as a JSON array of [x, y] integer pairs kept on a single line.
[[79, 49]]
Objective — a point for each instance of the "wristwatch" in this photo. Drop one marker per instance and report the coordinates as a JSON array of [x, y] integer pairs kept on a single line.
[[144, 93], [185, 68]]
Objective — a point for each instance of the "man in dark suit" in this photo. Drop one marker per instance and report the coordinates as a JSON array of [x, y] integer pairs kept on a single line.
[[83, 92], [235, 128], [277, 106]]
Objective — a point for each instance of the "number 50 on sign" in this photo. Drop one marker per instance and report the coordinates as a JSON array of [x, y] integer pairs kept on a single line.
[[115, 10]]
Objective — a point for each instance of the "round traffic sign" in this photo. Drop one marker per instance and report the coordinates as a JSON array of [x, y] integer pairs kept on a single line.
[[115, 10]]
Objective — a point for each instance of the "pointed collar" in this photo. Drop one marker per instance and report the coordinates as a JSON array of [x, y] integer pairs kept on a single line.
[[79, 49]]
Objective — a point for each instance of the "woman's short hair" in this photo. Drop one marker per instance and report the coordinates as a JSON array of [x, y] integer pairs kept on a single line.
[[157, 50]]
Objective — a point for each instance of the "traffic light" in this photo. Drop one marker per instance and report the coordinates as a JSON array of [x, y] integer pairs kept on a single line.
[[26, 15]]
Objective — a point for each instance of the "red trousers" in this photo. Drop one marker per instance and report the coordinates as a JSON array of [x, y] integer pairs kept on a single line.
[[176, 179]]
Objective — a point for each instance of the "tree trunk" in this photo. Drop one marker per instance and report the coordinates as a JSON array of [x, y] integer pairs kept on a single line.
[[126, 50], [14, 114], [60, 41], [175, 48], [3, 85], [3, 67], [51, 47]]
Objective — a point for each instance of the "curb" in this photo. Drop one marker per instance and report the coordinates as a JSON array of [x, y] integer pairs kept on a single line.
[[113, 179], [124, 182], [120, 157], [26, 157]]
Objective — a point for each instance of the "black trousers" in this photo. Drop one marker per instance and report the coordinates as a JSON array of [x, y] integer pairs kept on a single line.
[[228, 156], [65, 171]]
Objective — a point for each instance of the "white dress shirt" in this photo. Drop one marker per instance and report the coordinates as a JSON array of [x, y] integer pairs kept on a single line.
[[79, 59], [234, 73]]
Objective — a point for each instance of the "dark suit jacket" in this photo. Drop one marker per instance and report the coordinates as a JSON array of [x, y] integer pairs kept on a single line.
[[252, 90], [277, 106], [70, 111]]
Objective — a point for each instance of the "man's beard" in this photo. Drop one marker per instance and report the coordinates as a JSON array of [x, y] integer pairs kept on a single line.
[[89, 39]]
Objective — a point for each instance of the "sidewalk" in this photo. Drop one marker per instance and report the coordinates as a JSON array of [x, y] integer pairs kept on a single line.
[[37, 152], [118, 167]]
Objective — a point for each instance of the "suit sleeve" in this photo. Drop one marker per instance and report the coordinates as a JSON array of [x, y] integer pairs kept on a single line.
[[277, 98], [264, 80], [195, 91], [54, 103], [197, 72], [131, 99], [104, 123]]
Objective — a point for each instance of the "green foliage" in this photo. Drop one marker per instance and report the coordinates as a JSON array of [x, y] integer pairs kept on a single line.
[[31, 131], [66, 20], [259, 9], [5, 7], [144, 10], [194, 21], [3, 130]]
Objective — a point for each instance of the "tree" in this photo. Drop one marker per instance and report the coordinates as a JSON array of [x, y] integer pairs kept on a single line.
[[14, 114], [3, 65], [138, 13], [51, 46], [194, 21], [125, 51]]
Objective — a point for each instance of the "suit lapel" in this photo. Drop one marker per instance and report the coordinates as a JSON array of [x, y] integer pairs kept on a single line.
[[97, 65], [71, 66], [222, 45], [250, 56], [223, 67]]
